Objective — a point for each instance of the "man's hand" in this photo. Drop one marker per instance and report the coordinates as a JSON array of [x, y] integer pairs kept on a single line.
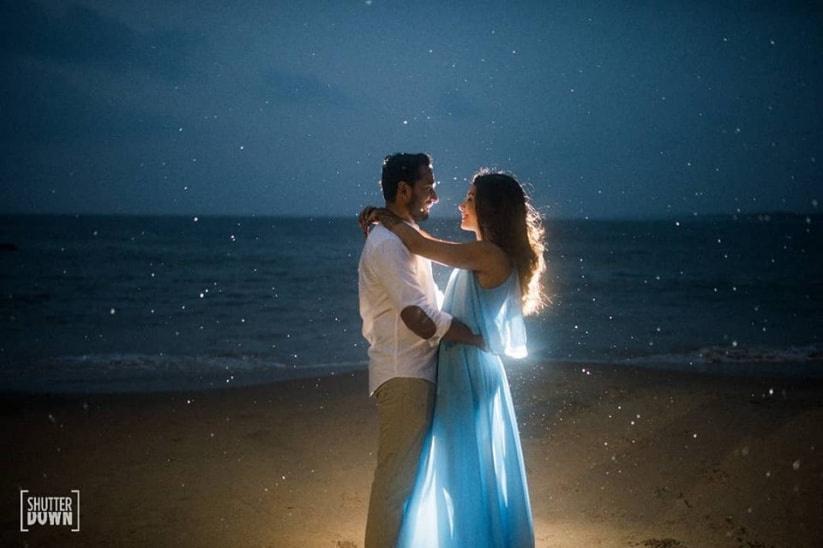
[[459, 333], [421, 325], [479, 342]]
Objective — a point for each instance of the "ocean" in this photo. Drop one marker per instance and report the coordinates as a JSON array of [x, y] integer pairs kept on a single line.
[[142, 303]]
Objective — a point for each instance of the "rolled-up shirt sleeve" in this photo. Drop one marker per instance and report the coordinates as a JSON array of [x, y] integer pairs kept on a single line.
[[393, 265]]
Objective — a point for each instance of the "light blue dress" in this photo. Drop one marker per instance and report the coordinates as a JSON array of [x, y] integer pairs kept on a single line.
[[470, 489]]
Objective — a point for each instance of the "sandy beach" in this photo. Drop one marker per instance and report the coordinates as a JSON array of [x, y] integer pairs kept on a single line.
[[615, 456]]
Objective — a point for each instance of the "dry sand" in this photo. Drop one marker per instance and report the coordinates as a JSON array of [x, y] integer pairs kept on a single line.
[[615, 457]]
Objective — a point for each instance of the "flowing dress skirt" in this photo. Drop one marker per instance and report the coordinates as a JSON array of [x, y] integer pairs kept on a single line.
[[470, 489]]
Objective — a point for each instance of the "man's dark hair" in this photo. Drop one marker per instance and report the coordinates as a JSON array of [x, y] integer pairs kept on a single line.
[[401, 167]]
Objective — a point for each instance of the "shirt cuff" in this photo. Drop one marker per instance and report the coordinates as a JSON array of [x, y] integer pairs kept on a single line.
[[443, 321]]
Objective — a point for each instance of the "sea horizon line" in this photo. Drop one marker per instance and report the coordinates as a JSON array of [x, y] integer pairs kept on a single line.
[[760, 215]]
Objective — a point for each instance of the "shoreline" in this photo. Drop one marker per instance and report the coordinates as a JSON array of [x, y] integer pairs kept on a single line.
[[810, 370], [710, 460]]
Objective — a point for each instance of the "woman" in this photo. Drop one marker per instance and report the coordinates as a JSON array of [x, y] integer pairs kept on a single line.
[[471, 484]]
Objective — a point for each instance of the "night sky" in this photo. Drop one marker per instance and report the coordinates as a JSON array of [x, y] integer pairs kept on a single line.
[[287, 108]]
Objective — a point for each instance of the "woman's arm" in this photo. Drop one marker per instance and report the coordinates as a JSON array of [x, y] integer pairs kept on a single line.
[[479, 256]]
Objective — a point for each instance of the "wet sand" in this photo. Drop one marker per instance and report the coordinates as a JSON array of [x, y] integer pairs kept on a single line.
[[615, 456]]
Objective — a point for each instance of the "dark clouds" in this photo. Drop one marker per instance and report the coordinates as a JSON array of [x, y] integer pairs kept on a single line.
[[51, 63], [291, 88], [84, 37], [201, 107], [47, 108]]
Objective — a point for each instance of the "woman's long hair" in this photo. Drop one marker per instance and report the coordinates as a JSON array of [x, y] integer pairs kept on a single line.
[[507, 219]]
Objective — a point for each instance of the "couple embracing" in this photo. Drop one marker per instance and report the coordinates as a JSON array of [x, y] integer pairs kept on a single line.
[[450, 469]]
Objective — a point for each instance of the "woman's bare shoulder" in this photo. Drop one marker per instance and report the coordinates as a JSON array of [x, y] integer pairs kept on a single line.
[[497, 265]]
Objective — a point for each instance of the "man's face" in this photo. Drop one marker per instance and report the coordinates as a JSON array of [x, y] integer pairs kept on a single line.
[[423, 195]]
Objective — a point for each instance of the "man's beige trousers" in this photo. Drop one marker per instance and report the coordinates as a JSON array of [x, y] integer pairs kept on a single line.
[[404, 411]]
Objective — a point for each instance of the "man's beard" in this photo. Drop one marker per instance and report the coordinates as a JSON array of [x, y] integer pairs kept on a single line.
[[418, 211]]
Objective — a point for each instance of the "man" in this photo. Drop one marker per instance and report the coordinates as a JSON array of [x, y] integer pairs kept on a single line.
[[403, 325]]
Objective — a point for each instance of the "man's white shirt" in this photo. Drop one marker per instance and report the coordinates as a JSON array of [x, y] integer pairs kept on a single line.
[[390, 278]]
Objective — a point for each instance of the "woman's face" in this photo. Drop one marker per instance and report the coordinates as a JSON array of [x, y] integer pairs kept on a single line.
[[468, 214]]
